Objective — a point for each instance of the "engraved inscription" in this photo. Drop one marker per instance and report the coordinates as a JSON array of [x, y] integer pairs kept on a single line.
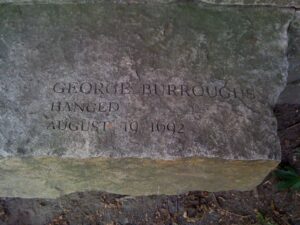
[[85, 107], [115, 90], [126, 88]]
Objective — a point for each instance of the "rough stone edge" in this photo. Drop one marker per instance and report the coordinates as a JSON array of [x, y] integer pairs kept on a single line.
[[284, 4], [263, 3], [291, 93], [53, 177]]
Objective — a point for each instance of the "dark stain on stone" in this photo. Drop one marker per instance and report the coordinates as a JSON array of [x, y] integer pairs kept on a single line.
[[21, 150]]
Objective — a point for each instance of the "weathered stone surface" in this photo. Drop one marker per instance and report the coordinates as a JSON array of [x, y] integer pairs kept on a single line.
[[291, 94], [280, 3], [26, 177], [140, 87], [277, 3]]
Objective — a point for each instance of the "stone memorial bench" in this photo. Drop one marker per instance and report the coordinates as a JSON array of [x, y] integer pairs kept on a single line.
[[139, 97]]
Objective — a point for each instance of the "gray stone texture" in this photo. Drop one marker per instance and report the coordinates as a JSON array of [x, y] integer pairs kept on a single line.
[[231, 65], [291, 94], [277, 3], [192, 81]]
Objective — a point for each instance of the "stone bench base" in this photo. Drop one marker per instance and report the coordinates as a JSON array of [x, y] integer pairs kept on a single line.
[[52, 177]]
